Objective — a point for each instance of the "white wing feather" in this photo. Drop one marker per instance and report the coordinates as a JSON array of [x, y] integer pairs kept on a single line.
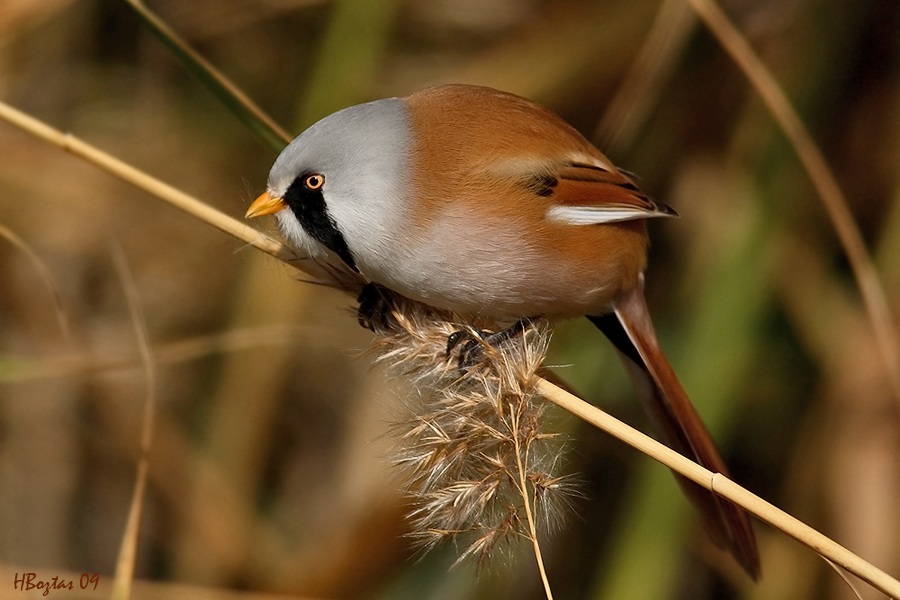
[[595, 215]]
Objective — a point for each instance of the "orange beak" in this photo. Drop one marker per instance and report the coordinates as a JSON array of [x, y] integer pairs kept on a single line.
[[266, 204]]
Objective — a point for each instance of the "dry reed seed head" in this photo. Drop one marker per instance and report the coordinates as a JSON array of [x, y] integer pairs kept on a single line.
[[466, 436]]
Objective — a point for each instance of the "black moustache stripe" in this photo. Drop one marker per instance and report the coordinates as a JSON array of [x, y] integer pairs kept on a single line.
[[309, 208]]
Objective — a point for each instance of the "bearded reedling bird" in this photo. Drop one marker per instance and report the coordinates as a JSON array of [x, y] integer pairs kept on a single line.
[[485, 204]]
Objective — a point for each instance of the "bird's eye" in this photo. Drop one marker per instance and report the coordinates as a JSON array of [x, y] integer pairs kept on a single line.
[[314, 182]]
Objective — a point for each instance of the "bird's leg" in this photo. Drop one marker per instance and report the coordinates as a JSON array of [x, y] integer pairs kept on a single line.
[[472, 350], [375, 310]]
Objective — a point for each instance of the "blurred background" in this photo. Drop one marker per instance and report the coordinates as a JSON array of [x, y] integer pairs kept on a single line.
[[267, 472]]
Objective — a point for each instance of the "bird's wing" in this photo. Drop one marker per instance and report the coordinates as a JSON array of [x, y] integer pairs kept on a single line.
[[585, 194]]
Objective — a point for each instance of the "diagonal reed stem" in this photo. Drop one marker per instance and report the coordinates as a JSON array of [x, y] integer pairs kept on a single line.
[[156, 187], [724, 487]]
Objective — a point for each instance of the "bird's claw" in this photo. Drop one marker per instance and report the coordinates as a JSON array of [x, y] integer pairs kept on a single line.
[[375, 311], [474, 342], [471, 347]]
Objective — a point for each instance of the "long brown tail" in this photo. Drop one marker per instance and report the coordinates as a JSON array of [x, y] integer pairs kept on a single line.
[[630, 330]]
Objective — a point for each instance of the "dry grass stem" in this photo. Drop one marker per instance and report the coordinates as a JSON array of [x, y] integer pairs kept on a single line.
[[480, 469], [538, 481], [45, 274], [843, 575], [124, 575], [640, 89], [883, 325], [172, 353]]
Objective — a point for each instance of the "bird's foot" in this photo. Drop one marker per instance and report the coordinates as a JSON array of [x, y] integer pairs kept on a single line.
[[376, 309], [473, 343]]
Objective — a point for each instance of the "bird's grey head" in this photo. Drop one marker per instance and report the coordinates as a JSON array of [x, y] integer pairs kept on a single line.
[[344, 180]]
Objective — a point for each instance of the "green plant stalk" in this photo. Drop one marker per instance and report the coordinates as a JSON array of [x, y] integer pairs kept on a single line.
[[221, 87], [349, 58]]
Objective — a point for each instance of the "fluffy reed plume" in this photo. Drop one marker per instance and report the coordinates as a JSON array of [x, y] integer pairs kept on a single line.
[[479, 467]]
